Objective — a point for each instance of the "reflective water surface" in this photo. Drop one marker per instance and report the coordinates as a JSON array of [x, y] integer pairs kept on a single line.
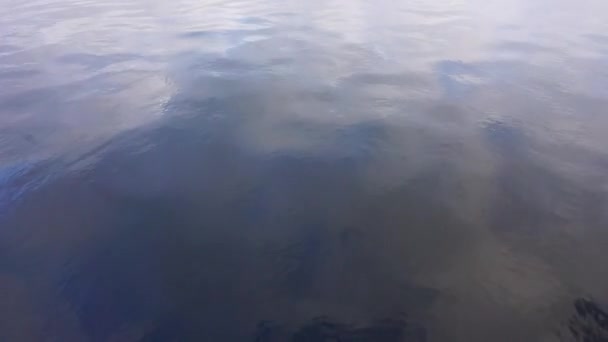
[[337, 170]]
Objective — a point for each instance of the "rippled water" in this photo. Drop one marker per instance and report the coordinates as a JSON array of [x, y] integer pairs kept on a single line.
[[338, 170]]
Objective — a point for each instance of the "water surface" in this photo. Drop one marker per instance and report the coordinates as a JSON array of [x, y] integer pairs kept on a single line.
[[305, 171]]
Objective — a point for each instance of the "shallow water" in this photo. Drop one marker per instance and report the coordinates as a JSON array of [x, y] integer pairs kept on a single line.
[[304, 171]]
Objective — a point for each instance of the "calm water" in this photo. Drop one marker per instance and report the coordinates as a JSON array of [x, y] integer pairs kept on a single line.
[[336, 170]]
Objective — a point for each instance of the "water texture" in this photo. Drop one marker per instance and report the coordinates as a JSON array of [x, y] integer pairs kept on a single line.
[[307, 171]]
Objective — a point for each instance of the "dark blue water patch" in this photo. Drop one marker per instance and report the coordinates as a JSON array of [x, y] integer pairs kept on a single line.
[[165, 329], [324, 329], [507, 139], [300, 262], [589, 323], [19, 179], [119, 284], [206, 250], [355, 144], [362, 140]]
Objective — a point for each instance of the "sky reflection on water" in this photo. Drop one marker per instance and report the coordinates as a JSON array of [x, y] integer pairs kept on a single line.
[[303, 171]]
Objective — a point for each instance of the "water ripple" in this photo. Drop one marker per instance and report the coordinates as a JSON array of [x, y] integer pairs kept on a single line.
[[262, 170]]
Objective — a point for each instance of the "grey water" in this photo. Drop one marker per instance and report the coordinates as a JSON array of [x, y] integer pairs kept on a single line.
[[336, 170]]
